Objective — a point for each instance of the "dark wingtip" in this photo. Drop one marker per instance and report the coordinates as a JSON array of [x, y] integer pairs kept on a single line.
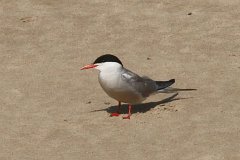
[[172, 80], [164, 84], [190, 89]]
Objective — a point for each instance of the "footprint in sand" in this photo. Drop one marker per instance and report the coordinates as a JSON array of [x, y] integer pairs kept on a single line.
[[27, 19]]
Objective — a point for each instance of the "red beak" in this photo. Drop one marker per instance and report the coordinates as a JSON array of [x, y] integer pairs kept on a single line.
[[89, 66]]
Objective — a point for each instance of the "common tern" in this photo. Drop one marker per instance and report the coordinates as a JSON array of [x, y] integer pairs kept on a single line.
[[124, 85]]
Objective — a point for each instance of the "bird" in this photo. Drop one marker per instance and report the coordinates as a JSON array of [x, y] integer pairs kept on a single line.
[[124, 85]]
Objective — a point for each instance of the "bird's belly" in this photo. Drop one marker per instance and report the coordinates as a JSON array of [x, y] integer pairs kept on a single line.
[[119, 90], [125, 96]]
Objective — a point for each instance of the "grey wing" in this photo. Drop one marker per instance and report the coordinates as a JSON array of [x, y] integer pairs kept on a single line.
[[143, 85]]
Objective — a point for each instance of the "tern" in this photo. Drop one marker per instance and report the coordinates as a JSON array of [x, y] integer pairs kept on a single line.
[[124, 85]]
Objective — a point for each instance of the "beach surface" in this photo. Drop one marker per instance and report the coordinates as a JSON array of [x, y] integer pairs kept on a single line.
[[51, 110]]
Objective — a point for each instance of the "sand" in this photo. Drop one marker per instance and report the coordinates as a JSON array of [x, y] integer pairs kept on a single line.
[[51, 110]]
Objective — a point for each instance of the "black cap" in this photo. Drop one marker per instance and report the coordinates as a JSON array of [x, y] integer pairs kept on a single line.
[[107, 58]]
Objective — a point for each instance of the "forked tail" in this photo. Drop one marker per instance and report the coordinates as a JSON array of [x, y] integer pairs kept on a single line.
[[174, 90], [163, 87]]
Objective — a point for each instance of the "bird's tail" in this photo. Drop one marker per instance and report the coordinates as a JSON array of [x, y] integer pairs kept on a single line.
[[163, 87], [174, 90]]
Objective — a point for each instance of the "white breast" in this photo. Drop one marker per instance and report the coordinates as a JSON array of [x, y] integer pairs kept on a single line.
[[110, 78], [109, 81], [118, 89]]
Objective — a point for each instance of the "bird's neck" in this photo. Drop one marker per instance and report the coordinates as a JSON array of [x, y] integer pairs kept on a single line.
[[110, 74], [109, 77], [111, 68]]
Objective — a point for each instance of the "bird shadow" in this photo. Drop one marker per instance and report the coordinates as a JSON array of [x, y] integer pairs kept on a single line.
[[141, 108]]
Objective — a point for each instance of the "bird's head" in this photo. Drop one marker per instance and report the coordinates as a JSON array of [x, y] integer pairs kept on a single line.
[[105, 62]]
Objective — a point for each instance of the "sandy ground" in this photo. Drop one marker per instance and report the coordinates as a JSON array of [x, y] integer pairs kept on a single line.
[[50, 110]]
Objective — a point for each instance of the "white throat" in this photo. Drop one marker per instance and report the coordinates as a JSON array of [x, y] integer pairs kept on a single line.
[[110, 73], [109, 67]]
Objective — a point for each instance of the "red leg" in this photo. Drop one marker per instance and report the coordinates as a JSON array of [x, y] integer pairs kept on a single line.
[[129, 112], [115, 114]]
